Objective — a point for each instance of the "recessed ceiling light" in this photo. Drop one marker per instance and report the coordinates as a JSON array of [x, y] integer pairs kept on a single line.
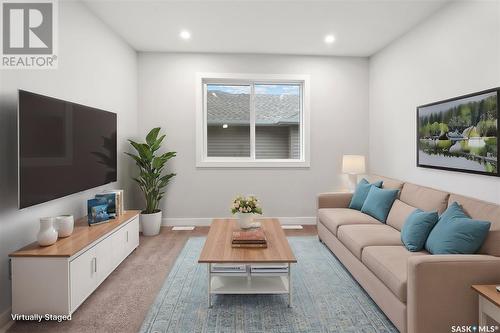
[[329, 39], [185, 34]]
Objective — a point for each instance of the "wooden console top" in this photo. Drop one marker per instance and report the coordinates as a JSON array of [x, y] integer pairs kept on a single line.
[[82, 236]]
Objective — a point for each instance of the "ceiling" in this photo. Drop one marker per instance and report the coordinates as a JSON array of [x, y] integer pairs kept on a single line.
[[360, 27]]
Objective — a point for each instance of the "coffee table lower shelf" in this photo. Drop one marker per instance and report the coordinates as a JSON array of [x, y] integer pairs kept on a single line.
[[249, 283]]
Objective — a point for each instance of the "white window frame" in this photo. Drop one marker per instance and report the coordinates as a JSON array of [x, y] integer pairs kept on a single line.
[[203, 161]]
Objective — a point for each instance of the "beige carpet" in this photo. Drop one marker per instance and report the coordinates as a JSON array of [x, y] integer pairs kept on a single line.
[[123, 299]]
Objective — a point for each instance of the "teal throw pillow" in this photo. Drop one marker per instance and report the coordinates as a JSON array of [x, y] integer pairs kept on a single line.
[[416, 229], [378, 203], [361, 192], [456, 233]]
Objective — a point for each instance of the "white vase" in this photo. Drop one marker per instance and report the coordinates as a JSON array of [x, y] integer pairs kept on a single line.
[[151, 223], [47, 234], [245, 220], [65, 225]]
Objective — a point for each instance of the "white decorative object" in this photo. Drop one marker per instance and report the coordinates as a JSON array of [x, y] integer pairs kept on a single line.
[[47, 234], [65, 225], [245, 220], [353, 165], [246, 208], [151, 223]]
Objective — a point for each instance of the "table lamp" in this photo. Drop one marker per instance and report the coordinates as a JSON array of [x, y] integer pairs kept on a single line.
[[353, 165]]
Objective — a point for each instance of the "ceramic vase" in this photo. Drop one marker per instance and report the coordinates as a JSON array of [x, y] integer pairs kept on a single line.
[[245, 220], [47, 234], [65, 225]]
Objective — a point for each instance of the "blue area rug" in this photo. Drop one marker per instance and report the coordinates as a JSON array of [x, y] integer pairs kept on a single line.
[[325, 299]]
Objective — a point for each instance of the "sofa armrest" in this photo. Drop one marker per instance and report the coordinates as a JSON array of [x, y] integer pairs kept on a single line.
[[334, 200], [439, 290]]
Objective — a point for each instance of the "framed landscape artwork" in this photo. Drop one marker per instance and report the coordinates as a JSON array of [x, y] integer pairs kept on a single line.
[[460, 134]]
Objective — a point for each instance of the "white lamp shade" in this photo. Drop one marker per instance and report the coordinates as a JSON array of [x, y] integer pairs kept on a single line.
[[353, 164]]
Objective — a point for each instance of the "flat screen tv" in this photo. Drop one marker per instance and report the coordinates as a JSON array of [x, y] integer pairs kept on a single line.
[[64, 148]]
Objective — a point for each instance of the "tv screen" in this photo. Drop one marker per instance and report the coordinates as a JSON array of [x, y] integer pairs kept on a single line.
[[64, 148]]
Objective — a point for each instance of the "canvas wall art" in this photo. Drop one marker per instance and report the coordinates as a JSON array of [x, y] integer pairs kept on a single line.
[[460, 134]]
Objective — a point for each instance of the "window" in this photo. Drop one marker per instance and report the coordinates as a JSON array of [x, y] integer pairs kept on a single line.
[[248, 121]]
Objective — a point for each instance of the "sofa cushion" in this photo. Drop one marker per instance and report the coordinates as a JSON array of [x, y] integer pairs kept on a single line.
[[456, 233], [388, 183], [333, 218], [425, 198], [417, 228], [390, 265], [378, 203], [361, 192], [357, 237], [399, 213], [482, 210]]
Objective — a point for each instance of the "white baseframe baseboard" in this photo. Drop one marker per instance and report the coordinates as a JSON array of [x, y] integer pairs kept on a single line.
[[5, 320], [206, 221]]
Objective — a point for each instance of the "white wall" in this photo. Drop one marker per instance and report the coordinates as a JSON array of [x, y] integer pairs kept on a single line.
[[339, 110], [455, 52], [97, 69]]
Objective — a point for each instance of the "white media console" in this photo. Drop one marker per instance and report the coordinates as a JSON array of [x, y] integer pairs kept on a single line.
[[57, 279]]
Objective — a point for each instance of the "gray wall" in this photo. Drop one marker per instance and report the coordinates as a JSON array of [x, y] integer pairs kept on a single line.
[[274, 142], [271, 142], [339, 124], [455, 52], [294, 142], [96, 68], [233, 141]]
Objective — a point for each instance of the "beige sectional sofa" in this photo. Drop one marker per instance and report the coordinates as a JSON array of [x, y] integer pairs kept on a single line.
[[419, 292]]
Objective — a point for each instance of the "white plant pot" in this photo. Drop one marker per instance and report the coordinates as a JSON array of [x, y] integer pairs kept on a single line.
[[151, 223], [65, 225], [47, 234], [245, 220]]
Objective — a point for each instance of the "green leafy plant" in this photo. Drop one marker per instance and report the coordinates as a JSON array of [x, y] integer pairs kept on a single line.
[[151, 180], [248, 204]]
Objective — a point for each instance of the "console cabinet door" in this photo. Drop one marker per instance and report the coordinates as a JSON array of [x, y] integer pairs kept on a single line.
[[83, 277], [132, 235], [126, 240], [105, 259]]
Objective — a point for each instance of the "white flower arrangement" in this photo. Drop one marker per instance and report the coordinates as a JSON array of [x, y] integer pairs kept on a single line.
[[248, 204]]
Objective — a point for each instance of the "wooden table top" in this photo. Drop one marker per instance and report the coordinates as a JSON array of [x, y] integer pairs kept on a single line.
[[82, 236], [217, 248], [489, 292]]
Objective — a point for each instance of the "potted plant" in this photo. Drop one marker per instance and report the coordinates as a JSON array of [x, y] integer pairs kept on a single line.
[[151, 179], [246, 208]]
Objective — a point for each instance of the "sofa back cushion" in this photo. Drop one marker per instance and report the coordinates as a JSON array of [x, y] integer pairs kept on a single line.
[[398, 214], [425, 198], [388, 183], [481, 210]]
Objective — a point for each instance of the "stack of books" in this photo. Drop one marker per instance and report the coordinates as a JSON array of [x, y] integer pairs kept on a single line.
[[120, 210], [273, 268], [105, 207], [229, 268], [250, 238]]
